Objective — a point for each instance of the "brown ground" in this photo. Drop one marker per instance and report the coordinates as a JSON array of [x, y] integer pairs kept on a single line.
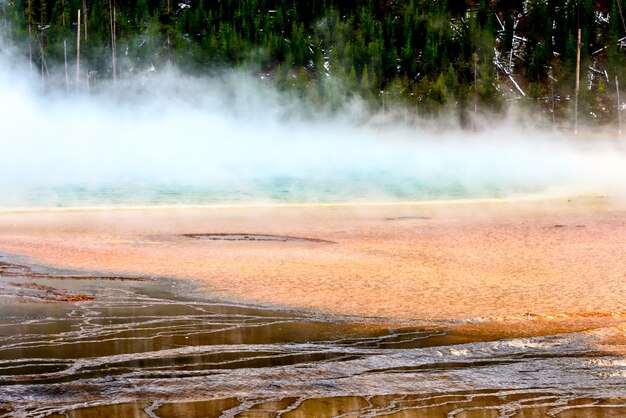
[[468, 260]]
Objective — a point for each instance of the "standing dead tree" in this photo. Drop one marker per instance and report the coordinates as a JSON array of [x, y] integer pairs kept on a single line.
[[78, 53], [31, 21], [619, 106], [42, 55], [167, 14], [577, 84], [113, 29], [85, 17], [63, 13]]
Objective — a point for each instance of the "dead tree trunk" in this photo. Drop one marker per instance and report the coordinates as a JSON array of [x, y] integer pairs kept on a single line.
[[85, 17], [29, 17], [78, 54], [42, 59], [42, 54], [114, 43], [166, 14], [619, 106], [67, 79], [112, 28], [577, 85]]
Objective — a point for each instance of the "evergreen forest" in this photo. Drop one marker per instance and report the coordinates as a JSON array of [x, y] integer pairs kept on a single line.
[[435, 57]]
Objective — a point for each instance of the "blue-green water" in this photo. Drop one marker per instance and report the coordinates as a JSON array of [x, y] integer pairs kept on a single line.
[[231, 140], [281, 190]]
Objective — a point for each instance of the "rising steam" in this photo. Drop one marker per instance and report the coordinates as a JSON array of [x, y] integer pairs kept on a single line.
[[233, 139]]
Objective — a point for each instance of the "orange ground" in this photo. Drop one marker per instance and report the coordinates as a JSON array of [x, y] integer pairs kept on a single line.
[[469, 260]]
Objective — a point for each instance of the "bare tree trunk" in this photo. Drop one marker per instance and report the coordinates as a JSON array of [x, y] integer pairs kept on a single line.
[[552, 95], [85, 17], [114, 40], [475, 59], [168, 41], [67, 79], [511, 52], [619, 106], [30, 34], [577, 85], [113, 24], [43, 84], [42, 28], [5, 24], [78, 54]]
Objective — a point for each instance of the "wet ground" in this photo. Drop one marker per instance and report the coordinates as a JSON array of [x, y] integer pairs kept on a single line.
[[251, 237], [78, 344]]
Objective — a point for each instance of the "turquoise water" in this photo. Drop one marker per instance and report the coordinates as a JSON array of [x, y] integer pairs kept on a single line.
[[279, 190]]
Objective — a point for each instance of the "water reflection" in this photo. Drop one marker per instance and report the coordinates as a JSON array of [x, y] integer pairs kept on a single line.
[[152, 347]]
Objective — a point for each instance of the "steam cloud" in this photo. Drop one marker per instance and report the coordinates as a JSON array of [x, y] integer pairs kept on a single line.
[[232, 138]]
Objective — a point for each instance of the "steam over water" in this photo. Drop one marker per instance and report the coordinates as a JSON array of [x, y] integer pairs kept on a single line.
[[83, 344], [231, 139]]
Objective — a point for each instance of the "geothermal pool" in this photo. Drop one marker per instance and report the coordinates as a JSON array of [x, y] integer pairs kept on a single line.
[[224, 252], [344, 188], [179, 258], [155, 347]]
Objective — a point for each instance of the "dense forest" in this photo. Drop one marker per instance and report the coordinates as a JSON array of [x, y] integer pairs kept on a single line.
[[433, 56]]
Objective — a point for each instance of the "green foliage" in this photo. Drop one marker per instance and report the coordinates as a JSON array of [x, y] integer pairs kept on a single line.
[[433, 54]]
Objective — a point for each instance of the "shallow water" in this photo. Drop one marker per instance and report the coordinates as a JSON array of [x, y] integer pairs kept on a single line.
[[92, 345], [344, 187]]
